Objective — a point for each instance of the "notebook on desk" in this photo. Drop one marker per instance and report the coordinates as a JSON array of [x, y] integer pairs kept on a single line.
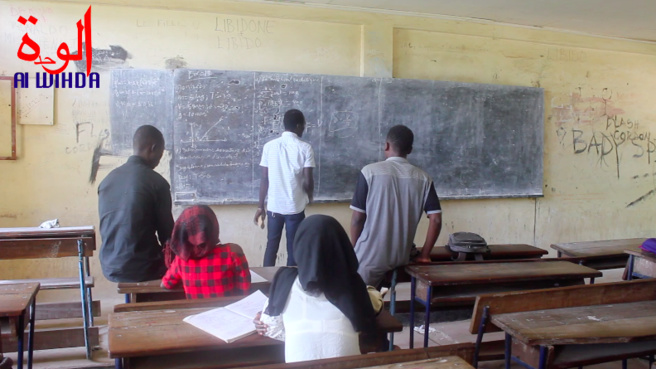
[[230, 322]]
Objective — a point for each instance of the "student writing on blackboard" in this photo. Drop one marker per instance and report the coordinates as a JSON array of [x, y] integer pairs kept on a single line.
[[134, 205], [287, 180], [205, 266], [387, 204]]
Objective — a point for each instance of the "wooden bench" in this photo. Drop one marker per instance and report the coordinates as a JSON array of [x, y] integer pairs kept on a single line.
[[600, 255], [173, 343], [493, 311], [463, 351], [152, 291], [39, 243], [497, 252]]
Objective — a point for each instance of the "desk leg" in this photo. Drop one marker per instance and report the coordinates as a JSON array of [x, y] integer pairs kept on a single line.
[[30, 337], [479, 336], [89, 297], [629, 274], [543, 357], [83, 297], [127, 298], [118, 363], [21, 337], [413, 285], [592, 280], [427, 315], [507, 351], [392, 307]]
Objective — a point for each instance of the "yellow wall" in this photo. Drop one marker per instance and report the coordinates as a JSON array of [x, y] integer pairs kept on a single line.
[[598, 92]]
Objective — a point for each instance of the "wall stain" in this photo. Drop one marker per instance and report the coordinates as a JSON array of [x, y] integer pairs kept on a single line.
[[103, 59], [175, 63], [98, 152], [642, 198]]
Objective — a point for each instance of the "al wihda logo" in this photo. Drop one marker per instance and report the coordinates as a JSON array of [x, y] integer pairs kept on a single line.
[[30, 51]]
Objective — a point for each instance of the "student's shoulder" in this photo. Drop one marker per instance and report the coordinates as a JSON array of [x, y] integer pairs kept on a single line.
[[235, 249], [419, 172], [304, 144], [375, 167], [156, 178]]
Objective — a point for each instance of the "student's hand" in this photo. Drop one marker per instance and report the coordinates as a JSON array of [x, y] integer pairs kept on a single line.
[[260, 327], [260, 216], [422, 260]]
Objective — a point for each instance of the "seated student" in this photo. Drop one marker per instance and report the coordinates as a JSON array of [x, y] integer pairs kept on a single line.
[[206, 267], [319, 308]]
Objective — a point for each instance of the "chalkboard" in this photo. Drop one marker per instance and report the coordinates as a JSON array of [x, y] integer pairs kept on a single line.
[[138, 97], [475, 140]]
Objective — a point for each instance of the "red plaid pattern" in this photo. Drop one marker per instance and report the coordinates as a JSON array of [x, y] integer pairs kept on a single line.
[[220, 273]]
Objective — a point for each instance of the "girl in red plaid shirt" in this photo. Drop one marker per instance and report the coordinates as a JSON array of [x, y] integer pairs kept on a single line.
[[206, 267]]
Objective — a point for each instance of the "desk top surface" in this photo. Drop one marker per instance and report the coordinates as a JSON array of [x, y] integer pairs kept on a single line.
[[626, 322], [497, 272], [36, 232], [15, 298], [505, 251], [446, 362], [154, 286], [642, 254], [605, 248], [156, 332]]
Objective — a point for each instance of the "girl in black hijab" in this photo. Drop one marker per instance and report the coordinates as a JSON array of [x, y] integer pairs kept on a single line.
[[319, 307]]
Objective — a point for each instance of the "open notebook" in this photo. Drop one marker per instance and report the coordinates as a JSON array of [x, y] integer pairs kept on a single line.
[[230, 322]]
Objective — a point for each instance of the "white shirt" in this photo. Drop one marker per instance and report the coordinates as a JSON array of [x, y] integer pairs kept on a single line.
[[285, 157], [312, 328]]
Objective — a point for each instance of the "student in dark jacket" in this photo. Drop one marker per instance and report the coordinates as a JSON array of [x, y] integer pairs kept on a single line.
[[134, 205]]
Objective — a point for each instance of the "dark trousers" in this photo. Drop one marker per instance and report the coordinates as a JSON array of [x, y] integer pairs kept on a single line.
[[275, 223]]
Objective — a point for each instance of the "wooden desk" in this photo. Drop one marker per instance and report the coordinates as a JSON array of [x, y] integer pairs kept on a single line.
[[447, 362], [15, 299], [37, 243], [152, 291], [596, 324], [497, 252], [642, 264], [608, 254], [458, 283], [462, 350], [151, 337]]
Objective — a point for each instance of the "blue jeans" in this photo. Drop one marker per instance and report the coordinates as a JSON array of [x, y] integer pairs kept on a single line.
[[275, 223]]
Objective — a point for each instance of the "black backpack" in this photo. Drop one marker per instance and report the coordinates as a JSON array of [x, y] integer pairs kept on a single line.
[[467, 242]]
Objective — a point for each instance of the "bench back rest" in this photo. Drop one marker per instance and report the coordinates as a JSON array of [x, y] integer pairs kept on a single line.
[[38, 243], [553, 298], [177, 304], [40, 248], [464, 350]]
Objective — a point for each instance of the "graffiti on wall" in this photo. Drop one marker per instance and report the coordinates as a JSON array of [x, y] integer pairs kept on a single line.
[[596, 126]]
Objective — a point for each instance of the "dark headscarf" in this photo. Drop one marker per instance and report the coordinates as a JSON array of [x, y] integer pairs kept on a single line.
[[195, 233], [326, 263]]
